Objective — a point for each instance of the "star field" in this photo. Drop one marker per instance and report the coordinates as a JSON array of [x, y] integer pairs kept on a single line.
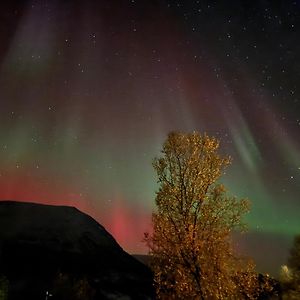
[[90, 89]]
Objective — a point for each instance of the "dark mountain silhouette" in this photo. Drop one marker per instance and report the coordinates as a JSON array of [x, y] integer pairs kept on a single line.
[[143, 258], [39, 242]]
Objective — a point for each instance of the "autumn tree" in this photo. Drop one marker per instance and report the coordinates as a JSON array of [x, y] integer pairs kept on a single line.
[[191, 248], [290, 274]]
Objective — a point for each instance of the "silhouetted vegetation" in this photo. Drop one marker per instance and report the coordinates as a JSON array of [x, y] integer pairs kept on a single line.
[[290, 274], [67, 287], [191, 247], [4, 286]]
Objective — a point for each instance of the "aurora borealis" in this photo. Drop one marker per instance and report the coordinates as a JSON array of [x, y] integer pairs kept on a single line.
[[90, 89]]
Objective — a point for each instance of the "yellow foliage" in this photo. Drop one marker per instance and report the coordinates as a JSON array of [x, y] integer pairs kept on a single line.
[[191, 247], [290, 275]]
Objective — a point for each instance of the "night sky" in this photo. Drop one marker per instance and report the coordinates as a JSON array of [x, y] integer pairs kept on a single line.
[[90, 89]]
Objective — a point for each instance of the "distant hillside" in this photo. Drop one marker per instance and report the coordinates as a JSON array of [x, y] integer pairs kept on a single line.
[[37, 242], [143, 258]]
